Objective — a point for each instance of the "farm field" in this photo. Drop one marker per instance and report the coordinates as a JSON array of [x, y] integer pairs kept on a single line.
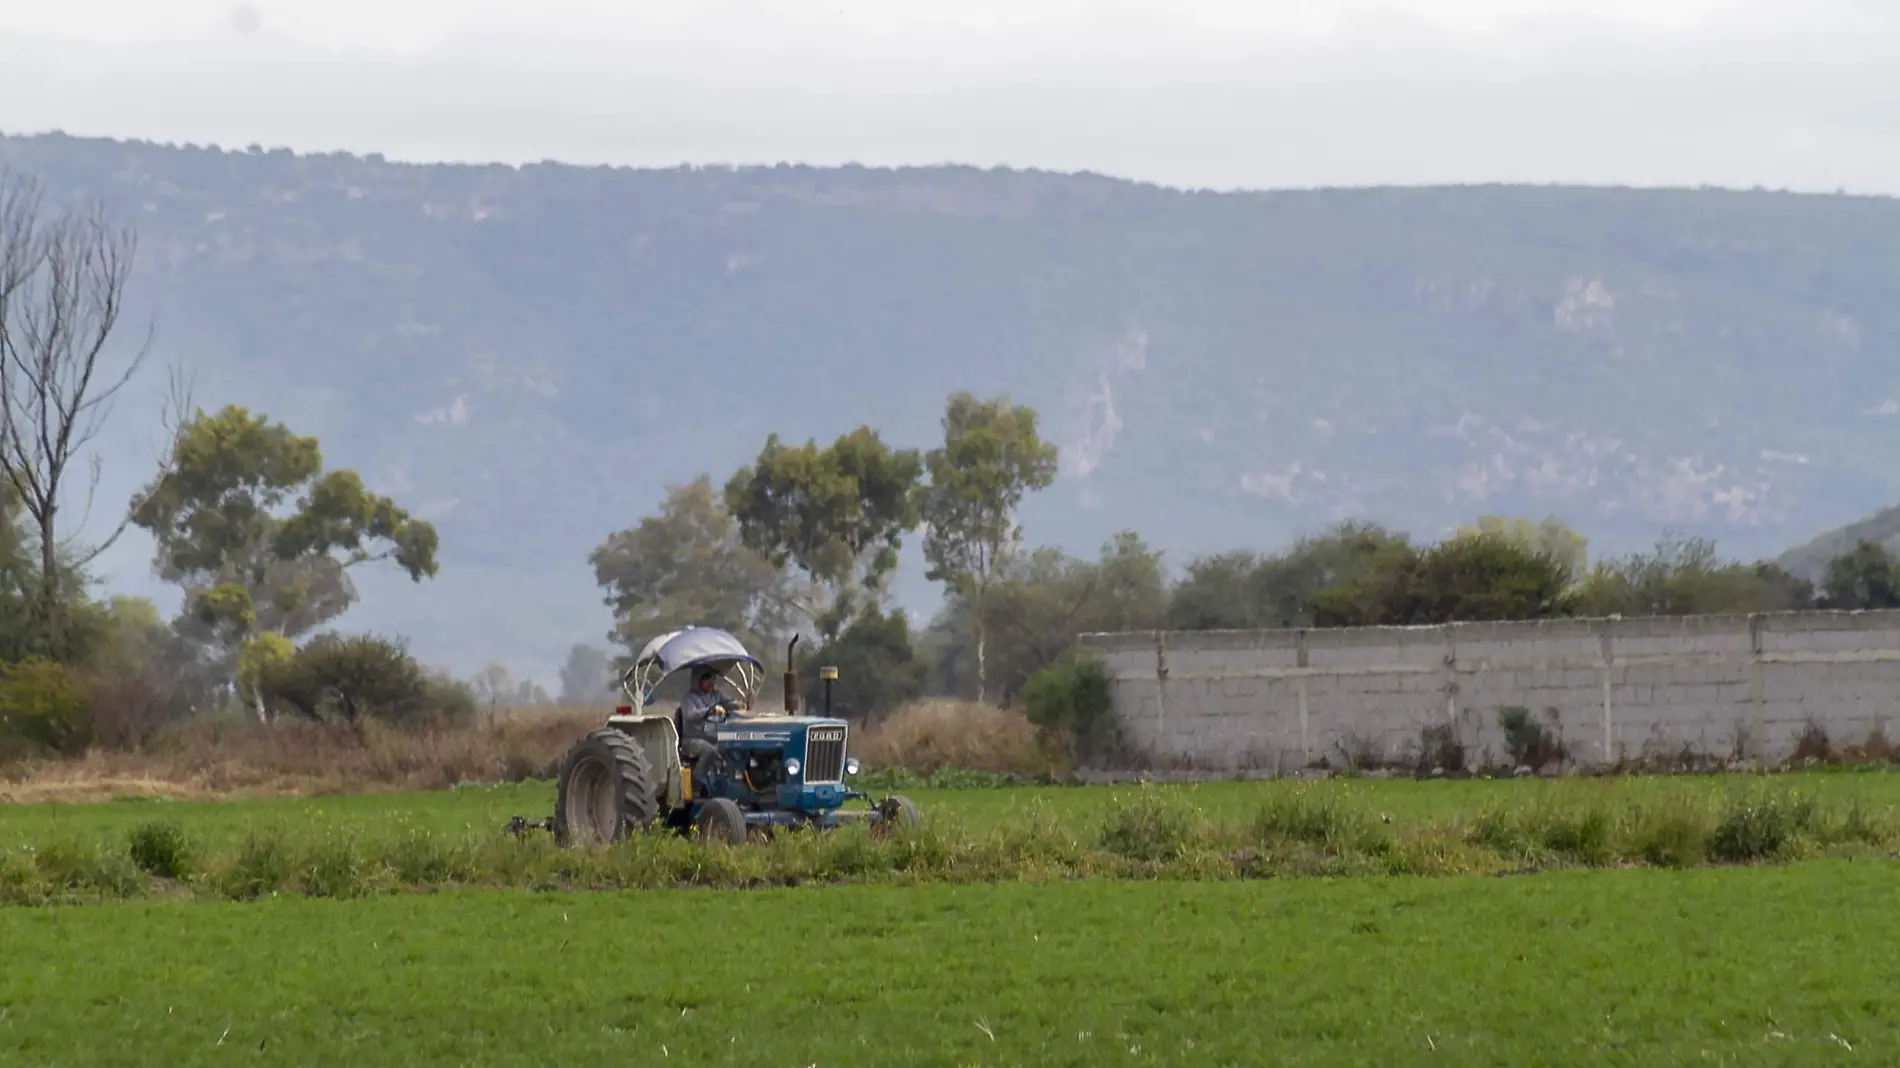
[[481, 809], [347, 846], [1788, 965]]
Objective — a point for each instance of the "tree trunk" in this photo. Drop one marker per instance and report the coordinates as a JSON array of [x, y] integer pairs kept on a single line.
[[982, 662], [982, 667], [257, 703], [49, 587]]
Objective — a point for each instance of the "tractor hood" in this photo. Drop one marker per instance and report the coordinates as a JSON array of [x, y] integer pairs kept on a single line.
[[748, 728], [779, 723]]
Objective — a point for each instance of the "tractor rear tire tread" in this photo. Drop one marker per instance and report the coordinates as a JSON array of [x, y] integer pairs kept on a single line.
[[630, 776]]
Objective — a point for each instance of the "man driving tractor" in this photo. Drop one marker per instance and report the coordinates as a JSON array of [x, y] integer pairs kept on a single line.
[[696, 709], [699, 736]]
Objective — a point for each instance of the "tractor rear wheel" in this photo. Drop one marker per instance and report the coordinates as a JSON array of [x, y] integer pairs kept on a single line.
[[606, 791], [720, 821], [896, 809]]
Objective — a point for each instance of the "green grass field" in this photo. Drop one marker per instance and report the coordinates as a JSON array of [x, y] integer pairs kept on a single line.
[[481, 810], [368, 845], [1345, 922], [1790, 965]]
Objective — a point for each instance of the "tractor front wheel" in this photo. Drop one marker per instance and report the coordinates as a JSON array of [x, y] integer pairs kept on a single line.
[[720, 820], [606, 791]]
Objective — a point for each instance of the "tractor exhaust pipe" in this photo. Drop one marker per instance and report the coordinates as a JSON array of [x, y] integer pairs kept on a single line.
[[791, 677]]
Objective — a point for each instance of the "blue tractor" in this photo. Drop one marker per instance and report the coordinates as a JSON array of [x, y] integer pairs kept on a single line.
[[758, 772]]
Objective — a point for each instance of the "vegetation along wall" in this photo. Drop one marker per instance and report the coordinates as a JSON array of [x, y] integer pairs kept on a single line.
[[1544, 694]]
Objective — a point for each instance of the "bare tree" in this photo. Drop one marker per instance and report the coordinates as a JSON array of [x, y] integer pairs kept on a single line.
[[63, 274]]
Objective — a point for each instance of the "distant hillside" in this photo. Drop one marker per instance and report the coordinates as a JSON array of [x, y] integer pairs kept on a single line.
[[529, 355], [1810, 559]]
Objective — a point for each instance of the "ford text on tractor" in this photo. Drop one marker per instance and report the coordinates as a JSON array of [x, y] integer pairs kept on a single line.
[[714, 766]]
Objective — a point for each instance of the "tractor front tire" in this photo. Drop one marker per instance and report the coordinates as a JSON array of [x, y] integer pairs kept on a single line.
[[896, 809], [720, 821], [606, 791]]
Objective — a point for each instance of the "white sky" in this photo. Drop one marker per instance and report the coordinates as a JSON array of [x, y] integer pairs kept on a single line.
[[1784, 93], [1800, 94]]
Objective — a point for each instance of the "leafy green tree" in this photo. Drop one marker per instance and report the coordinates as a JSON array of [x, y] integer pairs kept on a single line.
[[350, 678], [1550, 537], [44, 702], [1041, 600], [1243, 590], [991, 456], [1865, 577], [1218, 592], [68, 635], [1073, 698], [1487, 577], [1772, 588], [878, 667], [1686, 576], [259, 658], [837, 514], [260, 536], [1467, 577], [687, 566]]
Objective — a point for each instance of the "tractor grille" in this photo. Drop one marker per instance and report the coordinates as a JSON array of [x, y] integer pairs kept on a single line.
[[824, 754]]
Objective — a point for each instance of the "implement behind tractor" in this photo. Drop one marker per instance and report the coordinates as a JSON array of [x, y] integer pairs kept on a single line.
[[757, 772]]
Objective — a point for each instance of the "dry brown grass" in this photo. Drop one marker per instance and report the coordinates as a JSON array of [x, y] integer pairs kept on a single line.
[[927, 736], [294, 759], [211, 759]]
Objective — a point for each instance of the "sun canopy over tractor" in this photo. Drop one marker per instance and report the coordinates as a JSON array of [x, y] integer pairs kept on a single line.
[[688, 649]]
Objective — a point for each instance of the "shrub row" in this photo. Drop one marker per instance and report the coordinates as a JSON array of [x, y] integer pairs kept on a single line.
[[935, 744], [1146, 833]]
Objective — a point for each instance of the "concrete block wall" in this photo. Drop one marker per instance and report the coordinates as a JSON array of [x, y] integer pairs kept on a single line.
[[1722, 686]]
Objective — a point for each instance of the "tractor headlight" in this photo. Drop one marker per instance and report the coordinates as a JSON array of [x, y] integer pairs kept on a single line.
[[792, 766], [851, 766]]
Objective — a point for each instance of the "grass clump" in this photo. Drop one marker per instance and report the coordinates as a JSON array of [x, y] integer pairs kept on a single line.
[[20, 880], [1762, 828], [262, 867], [336, 867], [1585, 835], [1550, 831], [423, 858], [1328, 820], [1151, 827], [1670, 836], [1038, 843], [75, 867], [161, 848], [1859, 825]]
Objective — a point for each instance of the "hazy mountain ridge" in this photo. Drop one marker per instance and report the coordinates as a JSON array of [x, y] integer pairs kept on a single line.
[[528, 355], [1810, 559]]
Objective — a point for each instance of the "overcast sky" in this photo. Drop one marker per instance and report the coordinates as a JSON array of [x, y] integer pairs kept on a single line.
[[1220, 93]]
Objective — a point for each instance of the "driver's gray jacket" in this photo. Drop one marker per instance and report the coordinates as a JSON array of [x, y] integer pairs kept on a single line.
[[693, 715]]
